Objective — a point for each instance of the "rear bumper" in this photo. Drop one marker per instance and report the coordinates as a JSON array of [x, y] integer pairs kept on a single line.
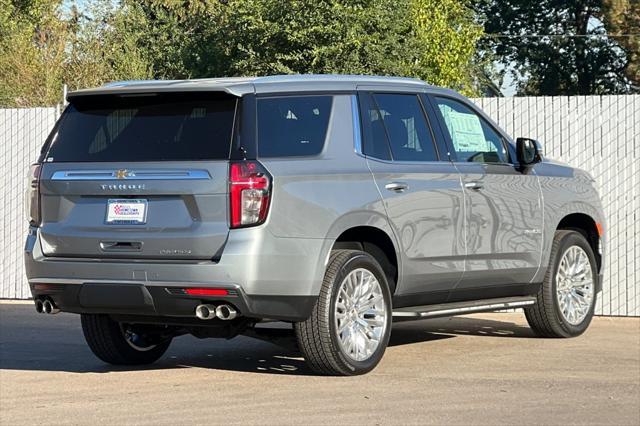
[[276, 278], [157, 301]]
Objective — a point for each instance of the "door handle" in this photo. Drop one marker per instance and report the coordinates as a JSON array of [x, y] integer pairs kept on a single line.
[[474, 185], [121, 245], [396, 186]]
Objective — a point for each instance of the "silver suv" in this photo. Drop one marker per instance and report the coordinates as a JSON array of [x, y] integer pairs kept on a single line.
[[335, 203]]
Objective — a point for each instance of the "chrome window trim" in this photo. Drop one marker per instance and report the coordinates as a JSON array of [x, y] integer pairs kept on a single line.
[[357, 129]]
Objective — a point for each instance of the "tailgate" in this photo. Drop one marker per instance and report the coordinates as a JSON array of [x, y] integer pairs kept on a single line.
[[165, 210], [138, 177]]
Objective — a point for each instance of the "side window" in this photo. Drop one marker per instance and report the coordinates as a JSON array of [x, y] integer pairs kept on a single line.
[[374, 135], [409, 134], [472, 137], [290, 126]]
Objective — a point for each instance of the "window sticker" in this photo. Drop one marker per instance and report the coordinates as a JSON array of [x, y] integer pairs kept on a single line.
[[466, 131]]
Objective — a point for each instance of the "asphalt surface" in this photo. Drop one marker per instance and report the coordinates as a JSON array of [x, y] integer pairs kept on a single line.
[[478, 369]]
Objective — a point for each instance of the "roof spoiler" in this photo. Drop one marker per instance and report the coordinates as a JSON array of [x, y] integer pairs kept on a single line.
[[142, 87]]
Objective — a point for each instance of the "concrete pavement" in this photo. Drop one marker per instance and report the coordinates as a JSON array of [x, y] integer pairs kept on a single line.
[[477, 369]]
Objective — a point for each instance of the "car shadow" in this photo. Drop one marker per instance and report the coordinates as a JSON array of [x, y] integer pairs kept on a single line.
[[469, 326], [34, 342]]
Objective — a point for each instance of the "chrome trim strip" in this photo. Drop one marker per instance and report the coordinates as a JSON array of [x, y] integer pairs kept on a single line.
[[357, 132], [139, 174], [465, 309]]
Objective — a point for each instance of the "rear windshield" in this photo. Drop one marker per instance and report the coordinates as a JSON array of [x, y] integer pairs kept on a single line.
[[291, 126], [177, 126]]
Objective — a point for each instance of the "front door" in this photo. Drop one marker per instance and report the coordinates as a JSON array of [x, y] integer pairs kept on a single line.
[[503, 207]]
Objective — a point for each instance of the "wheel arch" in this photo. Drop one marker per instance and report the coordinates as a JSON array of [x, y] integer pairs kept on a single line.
[[588, 227], [376, 242]]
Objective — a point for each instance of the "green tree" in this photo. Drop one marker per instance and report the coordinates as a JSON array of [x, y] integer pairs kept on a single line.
[[32, 51], [447, 37], [170, 35], [555, 47], [421, 38], [41, 49], [101, 47], [282, 37], [622, 20]]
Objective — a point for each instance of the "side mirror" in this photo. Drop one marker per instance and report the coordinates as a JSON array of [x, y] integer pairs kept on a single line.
[[528, 151]]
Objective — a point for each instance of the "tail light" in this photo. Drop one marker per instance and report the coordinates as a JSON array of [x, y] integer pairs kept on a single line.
[[250, 192], [32, 202]]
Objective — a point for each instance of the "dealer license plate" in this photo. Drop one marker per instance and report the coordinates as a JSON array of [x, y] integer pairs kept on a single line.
[[126, 211]]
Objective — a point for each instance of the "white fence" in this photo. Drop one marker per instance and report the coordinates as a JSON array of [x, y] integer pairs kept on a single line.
[[598, 133], [22, 133]]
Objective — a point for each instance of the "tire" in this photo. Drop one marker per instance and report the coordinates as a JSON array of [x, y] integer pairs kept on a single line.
[[318, 337], [106, 339], [546, 317]]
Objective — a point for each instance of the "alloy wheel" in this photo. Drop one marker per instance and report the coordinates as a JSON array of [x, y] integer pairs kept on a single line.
[[360, 314], [574, 285]]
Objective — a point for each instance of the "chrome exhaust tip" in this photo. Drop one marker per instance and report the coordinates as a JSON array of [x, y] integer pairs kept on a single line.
[[205, 312], [39, 306], [226, 312], [49, 307]]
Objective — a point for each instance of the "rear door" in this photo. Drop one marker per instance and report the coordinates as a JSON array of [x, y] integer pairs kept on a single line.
[[422, 195], [138, 177]]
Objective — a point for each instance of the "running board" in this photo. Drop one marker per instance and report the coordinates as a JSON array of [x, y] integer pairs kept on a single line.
[[461, 308]]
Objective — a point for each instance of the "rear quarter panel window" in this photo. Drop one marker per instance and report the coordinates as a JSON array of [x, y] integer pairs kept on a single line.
[[293, 126]]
